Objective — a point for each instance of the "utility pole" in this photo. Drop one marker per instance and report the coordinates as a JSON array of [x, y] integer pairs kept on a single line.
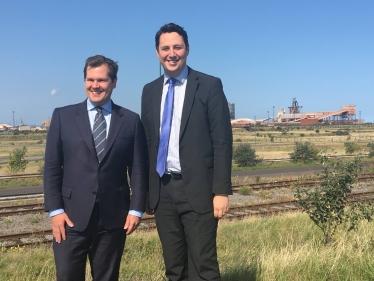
[[273, 113], [13, 119], [359, 124], [255, 130], [268, 117]]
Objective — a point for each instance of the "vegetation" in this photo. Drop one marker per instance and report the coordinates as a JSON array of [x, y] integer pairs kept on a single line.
[[370, 146], [245, 190], [326, 205], [351, 147], [278, 248], [17, 162], [245, 155], [304, 152]]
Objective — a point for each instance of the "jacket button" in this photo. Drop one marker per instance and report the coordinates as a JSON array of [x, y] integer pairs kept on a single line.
[[94, 192], [99, 172]]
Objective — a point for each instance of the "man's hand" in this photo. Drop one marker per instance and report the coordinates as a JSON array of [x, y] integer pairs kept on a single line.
[[131, 224], [220, 205], [148, 210], [58, 226]]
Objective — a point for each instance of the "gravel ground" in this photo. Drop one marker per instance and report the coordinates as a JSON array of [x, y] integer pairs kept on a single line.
[[41, 221]]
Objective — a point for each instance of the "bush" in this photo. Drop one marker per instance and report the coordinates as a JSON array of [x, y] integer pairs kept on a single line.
[[17, 162], [302, 135], [245, 155], [244, 190], [304, 152], [326, 204], [317, 131], [351, 147], [341, 133], [370, 146]]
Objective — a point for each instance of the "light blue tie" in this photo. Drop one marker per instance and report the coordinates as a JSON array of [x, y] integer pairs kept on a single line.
[[165, 129]]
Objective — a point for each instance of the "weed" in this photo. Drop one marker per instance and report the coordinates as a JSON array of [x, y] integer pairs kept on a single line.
[[245, 190]]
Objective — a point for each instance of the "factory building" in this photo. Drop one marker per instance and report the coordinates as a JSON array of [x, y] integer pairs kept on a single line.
[[232, 110], [346, 115]]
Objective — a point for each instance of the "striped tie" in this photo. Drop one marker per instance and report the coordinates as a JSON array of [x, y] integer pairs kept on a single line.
[[99, 133]]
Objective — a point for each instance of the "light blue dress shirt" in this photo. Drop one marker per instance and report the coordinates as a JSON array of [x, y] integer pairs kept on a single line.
[[91, 115]]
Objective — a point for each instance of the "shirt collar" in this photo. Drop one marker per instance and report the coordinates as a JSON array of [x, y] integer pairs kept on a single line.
[[182, 77], [107, 106]]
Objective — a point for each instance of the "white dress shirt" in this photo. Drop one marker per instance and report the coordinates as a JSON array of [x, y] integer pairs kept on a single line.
[[172, 160]]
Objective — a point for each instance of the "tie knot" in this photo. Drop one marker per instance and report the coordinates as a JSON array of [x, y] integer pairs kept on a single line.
[[172, 81], [99, 109]]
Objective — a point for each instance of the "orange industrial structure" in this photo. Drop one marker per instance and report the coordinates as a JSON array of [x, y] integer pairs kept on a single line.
[[346, 115]]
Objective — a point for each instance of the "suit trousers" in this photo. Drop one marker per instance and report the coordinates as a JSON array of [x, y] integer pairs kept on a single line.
[[103, 247], [188, 239]]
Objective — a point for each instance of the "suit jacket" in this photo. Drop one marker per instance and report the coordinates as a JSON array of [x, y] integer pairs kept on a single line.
[[73, 175], [205, 142]]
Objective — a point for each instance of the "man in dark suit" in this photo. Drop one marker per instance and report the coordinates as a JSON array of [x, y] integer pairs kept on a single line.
[[92, 148], [187, 124]]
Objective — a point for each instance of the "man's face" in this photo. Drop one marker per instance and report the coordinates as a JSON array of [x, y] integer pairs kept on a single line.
[[98, 84], [172, 53]]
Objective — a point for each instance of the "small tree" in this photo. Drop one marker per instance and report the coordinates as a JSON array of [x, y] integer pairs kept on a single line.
[[304, 152], [351, 147], [245, 155], [17, 162], [326, 204]]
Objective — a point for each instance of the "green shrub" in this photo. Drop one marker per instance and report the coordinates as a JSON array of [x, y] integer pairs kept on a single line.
[[351, 147], [341, 133], [17, 162], [370, 146], [326, 205], [304, 152], [245, 190], [245, 155]]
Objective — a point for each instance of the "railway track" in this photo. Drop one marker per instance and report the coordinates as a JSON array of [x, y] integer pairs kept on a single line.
[[8, 211], [236, 213], [12, 177]]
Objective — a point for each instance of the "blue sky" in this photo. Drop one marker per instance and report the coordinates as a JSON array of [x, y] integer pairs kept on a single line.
[[265, 52]]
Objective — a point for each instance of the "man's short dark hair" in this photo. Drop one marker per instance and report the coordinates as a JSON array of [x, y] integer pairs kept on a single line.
[[99, 60], [169, 28]]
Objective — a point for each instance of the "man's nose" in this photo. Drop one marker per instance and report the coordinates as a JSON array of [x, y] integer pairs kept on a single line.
[[172, 53], [95, 84]]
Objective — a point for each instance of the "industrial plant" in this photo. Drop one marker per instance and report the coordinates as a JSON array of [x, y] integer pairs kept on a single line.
[[345, 115]]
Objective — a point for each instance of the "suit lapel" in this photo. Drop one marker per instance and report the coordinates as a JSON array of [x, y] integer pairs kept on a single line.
[[116, 122], [156, 100], [81, 118], [192, 85]]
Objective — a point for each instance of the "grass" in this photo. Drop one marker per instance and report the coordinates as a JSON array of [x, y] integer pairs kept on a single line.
[[20, 182], [288, 247]]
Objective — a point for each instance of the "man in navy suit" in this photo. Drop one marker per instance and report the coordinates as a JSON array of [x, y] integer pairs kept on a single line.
[[92, 148], [189, 186]]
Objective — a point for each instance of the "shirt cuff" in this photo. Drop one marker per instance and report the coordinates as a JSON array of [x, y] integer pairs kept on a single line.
[[56, 212], [136, 213]]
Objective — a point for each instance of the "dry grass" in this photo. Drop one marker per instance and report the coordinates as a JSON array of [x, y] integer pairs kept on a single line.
[[32, 167]]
